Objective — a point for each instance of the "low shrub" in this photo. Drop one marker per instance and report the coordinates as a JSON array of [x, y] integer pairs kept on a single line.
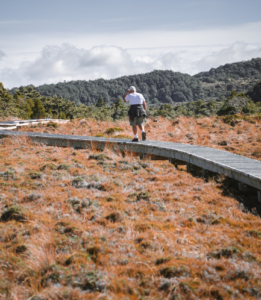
[[13, 213], [122, 136], [113, 130], [52, 124], [225, 252], [100, 157]]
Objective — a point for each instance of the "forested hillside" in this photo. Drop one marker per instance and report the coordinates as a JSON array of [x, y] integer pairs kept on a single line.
[[239, 70], [157, 87], [28, 103], [241, 77]]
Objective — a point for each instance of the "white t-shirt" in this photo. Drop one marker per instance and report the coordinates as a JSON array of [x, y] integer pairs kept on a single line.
[[135, 98]]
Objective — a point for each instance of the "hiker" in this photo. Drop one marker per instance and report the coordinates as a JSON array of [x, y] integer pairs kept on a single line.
[[137, 112]]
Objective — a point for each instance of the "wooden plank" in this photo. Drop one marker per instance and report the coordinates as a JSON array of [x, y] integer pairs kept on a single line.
[[239, 168], [8, 128]]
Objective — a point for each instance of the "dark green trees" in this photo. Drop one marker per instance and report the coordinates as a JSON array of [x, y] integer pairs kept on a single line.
[[255, 92], [237, 104], [38, 109], [27, 103], [120, 111], [165, 111], [100, 103], [244, 69], [157, 87], [8, 105]]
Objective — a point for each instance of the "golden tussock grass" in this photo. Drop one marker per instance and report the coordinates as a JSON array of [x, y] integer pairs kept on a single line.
[[78, 225]]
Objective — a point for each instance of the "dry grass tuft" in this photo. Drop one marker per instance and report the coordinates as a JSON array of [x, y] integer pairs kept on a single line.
[[102, 226]]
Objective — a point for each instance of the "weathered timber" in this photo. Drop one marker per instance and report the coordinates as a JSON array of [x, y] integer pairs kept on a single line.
[[12, 125], [177, 162], [242, 169], [8, 128]]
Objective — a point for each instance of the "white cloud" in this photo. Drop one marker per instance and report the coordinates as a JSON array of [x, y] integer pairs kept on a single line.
[[237, 52], [67, 62], [2, 54]]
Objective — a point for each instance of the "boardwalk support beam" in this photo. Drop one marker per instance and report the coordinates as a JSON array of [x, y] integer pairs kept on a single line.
[[205, 173], [243, 187], [189, 167], [143, 156], [177, 162]]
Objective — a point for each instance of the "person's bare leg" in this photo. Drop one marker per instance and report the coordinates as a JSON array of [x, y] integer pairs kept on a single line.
[[134, 129], [143, 134], [141, 127]]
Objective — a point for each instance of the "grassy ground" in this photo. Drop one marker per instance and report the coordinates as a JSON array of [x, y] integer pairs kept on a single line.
[[77, 224]]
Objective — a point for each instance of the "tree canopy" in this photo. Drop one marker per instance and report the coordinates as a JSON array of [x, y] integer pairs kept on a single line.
[[157, 87], [28, 103], [255, 92], [239, 70]]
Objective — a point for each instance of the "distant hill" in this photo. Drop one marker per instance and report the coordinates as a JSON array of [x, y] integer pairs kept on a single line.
[[162, 86], [240, 76], [239, 70], [157, 87]]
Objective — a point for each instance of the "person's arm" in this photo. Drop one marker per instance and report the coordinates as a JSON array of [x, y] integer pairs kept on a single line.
[[144, 105], [126, 96]]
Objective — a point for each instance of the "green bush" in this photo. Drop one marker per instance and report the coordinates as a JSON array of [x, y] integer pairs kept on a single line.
[[122, 136], [235, 104], [52, 124], [113, 130], [250, 108]]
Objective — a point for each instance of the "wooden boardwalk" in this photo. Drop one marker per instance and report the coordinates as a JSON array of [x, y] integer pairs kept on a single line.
[[12, 125], [245, 170]]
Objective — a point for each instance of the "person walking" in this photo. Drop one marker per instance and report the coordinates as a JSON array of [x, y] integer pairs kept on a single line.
[[137, 112]]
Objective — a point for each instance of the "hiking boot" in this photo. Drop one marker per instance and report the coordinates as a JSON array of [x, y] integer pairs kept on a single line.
[[135, 140], [143, 136]]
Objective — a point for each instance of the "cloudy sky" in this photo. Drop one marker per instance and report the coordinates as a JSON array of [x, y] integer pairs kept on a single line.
[[56, 40]]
